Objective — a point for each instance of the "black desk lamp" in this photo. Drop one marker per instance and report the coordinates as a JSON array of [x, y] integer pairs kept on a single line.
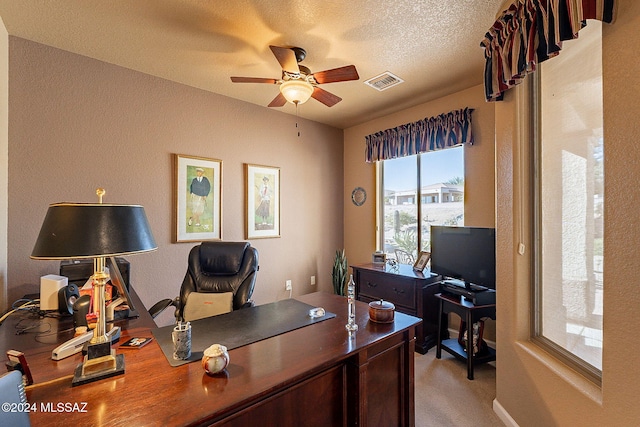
[[97, 231]]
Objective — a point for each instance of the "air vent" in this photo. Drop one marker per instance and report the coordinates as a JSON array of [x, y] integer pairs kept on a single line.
[[384, 81]]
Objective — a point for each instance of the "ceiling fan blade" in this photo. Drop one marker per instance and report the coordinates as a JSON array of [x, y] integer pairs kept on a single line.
[[278, 101], [253, 80], [287, 59], [341, 74], [327, 98]]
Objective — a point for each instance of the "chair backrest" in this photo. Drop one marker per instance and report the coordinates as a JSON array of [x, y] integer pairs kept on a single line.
[[221, 267]]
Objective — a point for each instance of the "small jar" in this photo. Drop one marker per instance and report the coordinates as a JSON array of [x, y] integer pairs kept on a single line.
[[215, 359], [381, 311]]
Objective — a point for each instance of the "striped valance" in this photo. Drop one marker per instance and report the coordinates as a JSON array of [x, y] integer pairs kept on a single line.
[[429, 134], [530, 32]]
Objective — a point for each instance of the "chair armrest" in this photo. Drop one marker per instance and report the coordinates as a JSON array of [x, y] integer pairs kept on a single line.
[[248, 304], [161, 305]]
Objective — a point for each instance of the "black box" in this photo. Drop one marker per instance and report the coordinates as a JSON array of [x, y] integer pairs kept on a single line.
[[79, 270]]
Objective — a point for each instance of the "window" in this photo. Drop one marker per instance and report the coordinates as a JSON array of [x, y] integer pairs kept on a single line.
[[439, 176], [568, 200]]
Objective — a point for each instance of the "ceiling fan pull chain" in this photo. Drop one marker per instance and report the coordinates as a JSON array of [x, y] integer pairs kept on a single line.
[[297, 119]]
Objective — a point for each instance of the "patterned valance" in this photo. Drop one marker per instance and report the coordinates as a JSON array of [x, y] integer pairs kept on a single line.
[[429, 134], [530, 32]]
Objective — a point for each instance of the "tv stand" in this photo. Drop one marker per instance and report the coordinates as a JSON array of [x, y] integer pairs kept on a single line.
[[469, 314], [478, 295]]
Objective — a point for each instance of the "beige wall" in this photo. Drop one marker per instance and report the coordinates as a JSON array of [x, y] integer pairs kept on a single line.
[[533, 389], [77, 124]]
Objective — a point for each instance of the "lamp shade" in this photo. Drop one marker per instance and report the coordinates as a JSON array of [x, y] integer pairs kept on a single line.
[[296, 91], [84, 230]]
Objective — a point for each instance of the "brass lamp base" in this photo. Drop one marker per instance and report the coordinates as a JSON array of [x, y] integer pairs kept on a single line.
[[100, 362]]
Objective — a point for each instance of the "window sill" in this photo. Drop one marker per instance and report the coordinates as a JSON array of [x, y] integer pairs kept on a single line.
[[562, 371]]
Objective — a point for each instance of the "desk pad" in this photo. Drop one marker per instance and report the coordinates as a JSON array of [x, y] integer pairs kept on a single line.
[[240, 327]]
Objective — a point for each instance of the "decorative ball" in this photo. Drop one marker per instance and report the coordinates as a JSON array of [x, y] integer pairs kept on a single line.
[[215, 359]]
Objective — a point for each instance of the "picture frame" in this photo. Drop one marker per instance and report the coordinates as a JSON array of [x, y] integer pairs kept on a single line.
[[421, 262], [378, 258], [479, 344], [197, 199], [262, 201]]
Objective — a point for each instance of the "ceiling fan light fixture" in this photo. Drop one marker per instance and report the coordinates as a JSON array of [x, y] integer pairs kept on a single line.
[[296, 91]]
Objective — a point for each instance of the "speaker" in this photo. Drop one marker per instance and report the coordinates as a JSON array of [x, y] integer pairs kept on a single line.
[[50, 285], [67, 296]]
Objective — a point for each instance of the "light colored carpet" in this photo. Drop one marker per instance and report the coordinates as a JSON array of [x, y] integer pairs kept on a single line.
[[445, 397]]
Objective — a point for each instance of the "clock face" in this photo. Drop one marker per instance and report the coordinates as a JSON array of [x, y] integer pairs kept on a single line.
[[358, 196]]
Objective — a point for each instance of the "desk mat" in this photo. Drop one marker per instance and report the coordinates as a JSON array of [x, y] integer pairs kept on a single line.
[[240, 327]]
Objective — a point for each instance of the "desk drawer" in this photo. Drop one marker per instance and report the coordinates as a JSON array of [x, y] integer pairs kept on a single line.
[[389, 288]]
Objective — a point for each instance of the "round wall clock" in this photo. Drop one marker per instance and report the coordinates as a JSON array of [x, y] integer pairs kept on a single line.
[[358, 196]]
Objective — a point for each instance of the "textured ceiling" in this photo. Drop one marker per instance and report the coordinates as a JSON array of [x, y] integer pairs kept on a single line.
[[433, 45]]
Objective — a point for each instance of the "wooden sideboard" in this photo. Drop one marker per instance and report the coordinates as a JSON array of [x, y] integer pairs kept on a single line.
[[412, 292], [312, 376]]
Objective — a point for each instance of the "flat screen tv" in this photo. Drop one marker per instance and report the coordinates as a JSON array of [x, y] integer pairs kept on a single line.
[[465, 253]]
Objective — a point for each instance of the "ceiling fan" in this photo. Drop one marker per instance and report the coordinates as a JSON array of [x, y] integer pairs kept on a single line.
[[298, 84]]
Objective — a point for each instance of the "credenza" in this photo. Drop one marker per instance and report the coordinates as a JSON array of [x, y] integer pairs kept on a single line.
[[316, 375], [412, 292]]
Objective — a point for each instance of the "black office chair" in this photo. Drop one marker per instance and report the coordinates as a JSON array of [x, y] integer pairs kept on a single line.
[[220, 277]]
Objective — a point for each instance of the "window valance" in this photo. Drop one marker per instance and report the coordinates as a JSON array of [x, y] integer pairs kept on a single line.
[[530, 32], [429, 134]]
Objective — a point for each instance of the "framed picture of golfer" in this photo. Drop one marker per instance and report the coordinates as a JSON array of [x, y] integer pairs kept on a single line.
[[198, 199], [262, 219]]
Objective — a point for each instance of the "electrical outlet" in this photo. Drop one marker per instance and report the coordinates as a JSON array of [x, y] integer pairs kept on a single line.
[[287, 285], [313, 280]]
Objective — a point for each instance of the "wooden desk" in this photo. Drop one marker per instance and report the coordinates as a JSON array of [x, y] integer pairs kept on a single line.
[[313, 376], [412, 292], [469, 314]]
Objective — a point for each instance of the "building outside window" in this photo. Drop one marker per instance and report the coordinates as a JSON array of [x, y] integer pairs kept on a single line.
[[436, 179]]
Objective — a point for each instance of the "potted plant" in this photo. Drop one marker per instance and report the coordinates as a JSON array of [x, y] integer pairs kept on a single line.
[[339, 273]]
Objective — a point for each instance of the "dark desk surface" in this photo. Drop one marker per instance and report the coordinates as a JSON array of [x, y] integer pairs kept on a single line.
[[153, 393]]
